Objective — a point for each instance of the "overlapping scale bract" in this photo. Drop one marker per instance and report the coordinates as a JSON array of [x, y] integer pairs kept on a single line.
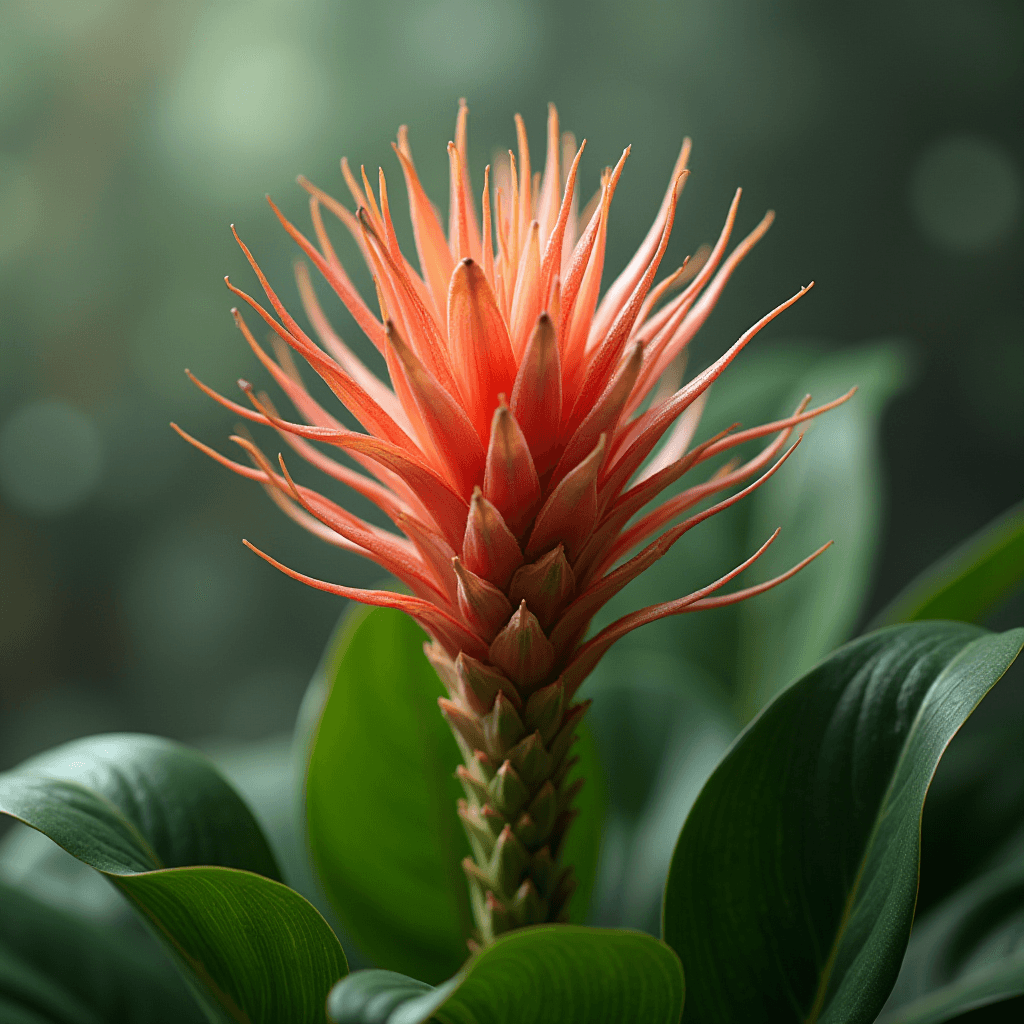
[[509, 454], [516, 727]]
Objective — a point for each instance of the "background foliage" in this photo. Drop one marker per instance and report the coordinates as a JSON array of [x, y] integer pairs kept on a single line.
[[133, 131]]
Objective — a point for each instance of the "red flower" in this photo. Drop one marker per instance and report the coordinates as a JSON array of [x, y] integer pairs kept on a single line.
[[512, 453]]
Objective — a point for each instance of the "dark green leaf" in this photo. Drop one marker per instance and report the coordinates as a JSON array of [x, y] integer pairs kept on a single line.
[[261, 951], [381, 796], [158, 820], [62, 969], [128, 803], [968, 952], [553, 974], [971, 580], [792, 888]]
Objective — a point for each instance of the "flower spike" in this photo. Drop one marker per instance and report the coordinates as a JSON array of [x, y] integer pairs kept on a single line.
[[514, 446]]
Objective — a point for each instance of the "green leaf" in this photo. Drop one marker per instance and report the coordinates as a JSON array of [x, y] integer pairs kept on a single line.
[[381, 796], [552, 974], [126, 803], [971, 580], [968, 952], [158, 820], [792, 888], [58, 968], [261, 952]]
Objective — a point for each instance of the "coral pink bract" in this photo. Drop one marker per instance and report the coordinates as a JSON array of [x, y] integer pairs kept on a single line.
[[512, 453]]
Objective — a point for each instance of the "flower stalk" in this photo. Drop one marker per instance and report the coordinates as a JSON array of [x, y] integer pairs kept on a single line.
[[516, 453]]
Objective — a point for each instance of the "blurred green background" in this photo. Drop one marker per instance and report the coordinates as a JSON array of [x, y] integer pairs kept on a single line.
[[132, 132]]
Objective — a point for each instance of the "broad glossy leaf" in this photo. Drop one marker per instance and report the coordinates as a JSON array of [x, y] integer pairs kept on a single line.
[[59, 968], [125, 803], [145, 811], [971, 580], [552, 974], [259, 948], [968, 952], [792, 888], [381, 796]]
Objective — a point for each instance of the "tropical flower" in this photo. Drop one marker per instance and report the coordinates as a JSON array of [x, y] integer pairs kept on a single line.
[[513, 455]]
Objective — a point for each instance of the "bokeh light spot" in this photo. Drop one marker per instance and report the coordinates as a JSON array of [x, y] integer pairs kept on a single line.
[[239, 116], [51, 456], [966, 194]]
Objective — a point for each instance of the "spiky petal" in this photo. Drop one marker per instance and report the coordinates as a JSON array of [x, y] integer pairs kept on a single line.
[[513, 452]]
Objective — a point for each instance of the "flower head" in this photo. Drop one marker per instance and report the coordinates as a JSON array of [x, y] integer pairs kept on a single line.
[[512, 453]]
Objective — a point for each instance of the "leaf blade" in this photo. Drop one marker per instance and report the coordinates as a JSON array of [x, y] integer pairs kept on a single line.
[[402, 897], [216, 920], [401, 900], [550, 974], [832, 490], [138, 809], [824, 787]]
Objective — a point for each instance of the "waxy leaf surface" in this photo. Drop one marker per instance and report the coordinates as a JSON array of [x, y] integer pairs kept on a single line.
[[792, 889], [159, 821], [550, 974], [381, 795]]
